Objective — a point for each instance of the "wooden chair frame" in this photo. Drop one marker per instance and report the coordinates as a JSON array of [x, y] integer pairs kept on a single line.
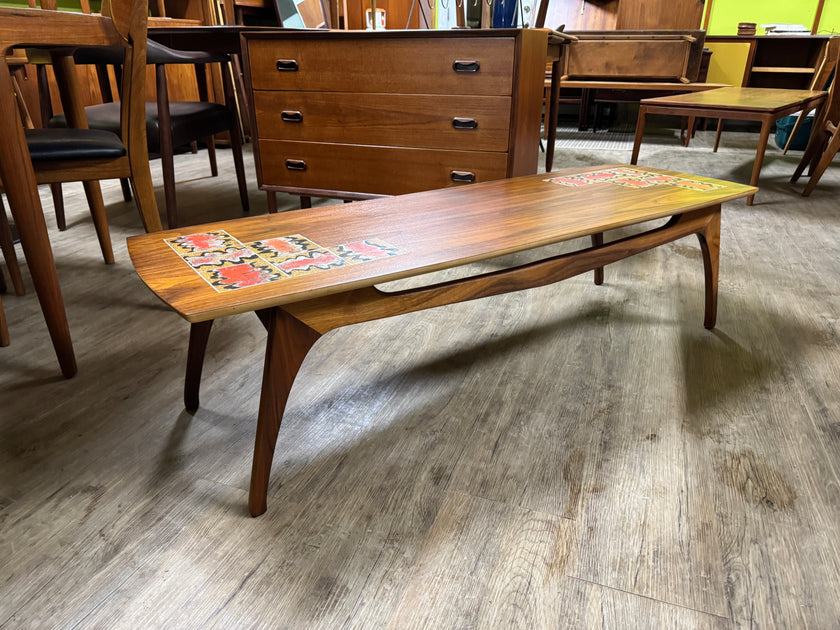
[[123, 23]]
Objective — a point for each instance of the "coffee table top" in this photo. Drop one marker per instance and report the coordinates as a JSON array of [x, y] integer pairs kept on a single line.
[[212, 270], [739, 98]]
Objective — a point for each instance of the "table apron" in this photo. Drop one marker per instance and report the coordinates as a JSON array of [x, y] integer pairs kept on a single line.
[[369, 303], [731, 114]]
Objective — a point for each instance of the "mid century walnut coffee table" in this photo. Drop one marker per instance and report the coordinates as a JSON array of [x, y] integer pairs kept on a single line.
[[309, 271]]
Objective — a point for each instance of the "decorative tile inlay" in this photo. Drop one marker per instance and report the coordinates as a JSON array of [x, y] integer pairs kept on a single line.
[[225, 263], [631, 178]]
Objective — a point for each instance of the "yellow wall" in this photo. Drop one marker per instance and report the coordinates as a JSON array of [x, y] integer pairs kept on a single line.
[[727, 13], [728, 62]]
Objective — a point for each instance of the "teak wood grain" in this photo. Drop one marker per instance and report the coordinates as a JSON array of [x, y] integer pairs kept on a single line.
[[436, 230], [381, 63], [739, 99], [359, 98], [360, 168], [409, 120]]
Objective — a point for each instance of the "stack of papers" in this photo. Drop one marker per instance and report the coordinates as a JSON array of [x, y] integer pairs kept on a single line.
[[786, 29]]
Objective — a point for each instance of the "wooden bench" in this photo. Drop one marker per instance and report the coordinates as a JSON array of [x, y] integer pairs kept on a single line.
[[307, 272]]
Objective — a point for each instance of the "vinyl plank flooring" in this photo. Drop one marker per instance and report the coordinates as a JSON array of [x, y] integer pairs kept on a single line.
[[569, 457]]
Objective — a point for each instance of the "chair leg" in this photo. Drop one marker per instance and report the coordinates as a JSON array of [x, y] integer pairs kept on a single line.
[[816, 145], [236, 141], [100, 219], [58, 204], [825, 160], [717, 135], [4, 327], [166, 148], [211, 153], [9, 254], [126, 189]]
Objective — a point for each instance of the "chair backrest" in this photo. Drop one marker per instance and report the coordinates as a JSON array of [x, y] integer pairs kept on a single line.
[[122, 23], [825, 79]]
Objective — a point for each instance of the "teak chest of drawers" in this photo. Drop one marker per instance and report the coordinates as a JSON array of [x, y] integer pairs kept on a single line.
[[363, 114]]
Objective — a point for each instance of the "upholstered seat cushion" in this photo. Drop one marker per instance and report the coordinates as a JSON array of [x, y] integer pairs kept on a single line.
[[155, 54], [48, 145], [188, 120]]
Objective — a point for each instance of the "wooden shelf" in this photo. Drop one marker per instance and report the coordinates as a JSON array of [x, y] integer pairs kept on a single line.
[[786, 70], [163, 22]]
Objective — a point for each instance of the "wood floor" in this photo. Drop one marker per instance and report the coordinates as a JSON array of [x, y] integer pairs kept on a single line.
[[569, 457]]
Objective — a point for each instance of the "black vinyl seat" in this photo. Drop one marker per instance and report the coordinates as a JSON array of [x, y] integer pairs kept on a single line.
[[53, 145]]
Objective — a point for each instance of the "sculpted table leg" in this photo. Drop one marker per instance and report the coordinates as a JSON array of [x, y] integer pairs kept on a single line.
[[295, 327], [199, 335], [710, 247], [288, 342]]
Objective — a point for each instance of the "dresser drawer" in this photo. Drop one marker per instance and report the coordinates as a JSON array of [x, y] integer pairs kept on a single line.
[[475, 123], [484, 66], [374, 170]]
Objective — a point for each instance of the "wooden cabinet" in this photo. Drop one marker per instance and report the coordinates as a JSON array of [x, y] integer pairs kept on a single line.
[[361, 114], [775, 61], [596, 15]]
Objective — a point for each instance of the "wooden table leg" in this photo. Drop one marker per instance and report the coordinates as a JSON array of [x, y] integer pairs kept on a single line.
[[766, 124], [717, 135], [710, 247], [640, 130], [598, 273], [583, 110], [19, 183], [551, 116], [199, 335], [289, 340]]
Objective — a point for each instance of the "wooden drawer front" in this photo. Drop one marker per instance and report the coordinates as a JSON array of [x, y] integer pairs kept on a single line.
[[404, 66], [375, 170], [475, 123]]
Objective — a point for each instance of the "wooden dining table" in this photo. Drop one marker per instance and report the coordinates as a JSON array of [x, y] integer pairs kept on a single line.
[[307, 272], [764, 105]]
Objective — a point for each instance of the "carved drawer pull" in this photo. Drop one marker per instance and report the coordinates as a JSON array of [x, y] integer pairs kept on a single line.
[[287, 65], [464, 123], [291, 116], [462, 176], [461, 65], [296, 165]]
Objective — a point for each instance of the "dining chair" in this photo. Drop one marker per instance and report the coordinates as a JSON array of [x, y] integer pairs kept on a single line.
[[122, 23], [79, 153], [823, 143], [822, 79], [172, 124]]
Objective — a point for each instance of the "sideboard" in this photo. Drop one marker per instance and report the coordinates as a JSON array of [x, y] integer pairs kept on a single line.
[[360, 114]]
